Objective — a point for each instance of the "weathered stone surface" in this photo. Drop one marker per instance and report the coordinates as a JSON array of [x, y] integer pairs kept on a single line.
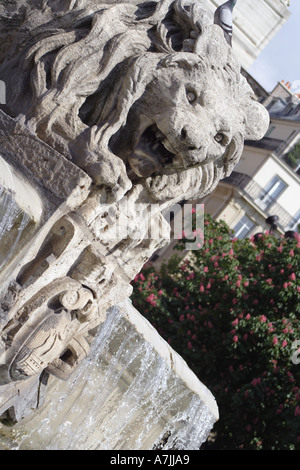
[[113, 111]]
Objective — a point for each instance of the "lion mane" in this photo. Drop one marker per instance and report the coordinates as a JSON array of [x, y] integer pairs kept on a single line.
[[88, 64]]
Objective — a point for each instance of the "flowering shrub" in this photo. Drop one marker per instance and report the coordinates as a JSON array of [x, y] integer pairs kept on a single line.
[[231, 310]]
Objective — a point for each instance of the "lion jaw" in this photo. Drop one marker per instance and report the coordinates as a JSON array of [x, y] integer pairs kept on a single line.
[[153, 153]]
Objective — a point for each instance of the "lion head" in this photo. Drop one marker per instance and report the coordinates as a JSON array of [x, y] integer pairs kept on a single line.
[[186, 131], [133, 93]]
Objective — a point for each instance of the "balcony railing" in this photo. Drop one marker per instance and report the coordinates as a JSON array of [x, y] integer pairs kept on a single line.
[[274, 145], [257, 194]]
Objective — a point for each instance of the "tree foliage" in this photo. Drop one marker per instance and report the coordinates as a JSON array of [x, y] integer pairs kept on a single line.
[[293, 156], [231, 310]]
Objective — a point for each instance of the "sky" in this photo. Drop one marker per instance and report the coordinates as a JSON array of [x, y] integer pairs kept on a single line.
[[280, 60]]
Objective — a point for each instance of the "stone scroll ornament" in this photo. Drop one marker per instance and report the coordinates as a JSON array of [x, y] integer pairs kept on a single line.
[[147, 101]]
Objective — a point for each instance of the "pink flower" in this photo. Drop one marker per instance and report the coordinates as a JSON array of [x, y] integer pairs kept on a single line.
[[142, 277], [235, 322], [248, 316], [160, 292], [275, 340], [246, 283], [235, 339], [292, 277], [208, 285], [263, 318], [256, 381], [238, 283], [297, 411], [181, 318], [189, 345], [201, 289], [205, 269], [291, 253], [284, 343], [150, 298]]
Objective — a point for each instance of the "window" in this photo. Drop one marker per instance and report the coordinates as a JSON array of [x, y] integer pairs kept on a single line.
[[293, 225], [243, 227], [271, 192], [269, 131]]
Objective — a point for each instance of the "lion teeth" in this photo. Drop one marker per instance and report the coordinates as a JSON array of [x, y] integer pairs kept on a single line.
[[159, 135]]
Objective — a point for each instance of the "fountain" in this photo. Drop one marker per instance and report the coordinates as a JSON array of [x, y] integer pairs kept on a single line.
[[110, 130], [130, 392]]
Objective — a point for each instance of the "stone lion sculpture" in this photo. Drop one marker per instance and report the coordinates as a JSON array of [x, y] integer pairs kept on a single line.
[[140, 103], [132, 93]]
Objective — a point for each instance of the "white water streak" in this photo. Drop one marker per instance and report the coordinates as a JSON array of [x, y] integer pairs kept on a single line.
[[10, 215]]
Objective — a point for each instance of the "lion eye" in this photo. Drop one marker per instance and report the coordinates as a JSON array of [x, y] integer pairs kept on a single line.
[[191, 96], [219, 137]]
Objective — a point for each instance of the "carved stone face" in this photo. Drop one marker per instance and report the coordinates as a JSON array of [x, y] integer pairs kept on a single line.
[[185, 124], [185, 121]]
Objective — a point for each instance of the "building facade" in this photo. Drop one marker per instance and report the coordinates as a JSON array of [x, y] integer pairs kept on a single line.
[[255, 23], [265, 182]]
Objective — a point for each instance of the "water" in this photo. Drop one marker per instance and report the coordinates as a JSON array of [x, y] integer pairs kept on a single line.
[[123, 396], [13, 222]]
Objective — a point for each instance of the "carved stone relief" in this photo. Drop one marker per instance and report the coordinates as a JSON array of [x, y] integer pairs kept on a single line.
[[113, 110]]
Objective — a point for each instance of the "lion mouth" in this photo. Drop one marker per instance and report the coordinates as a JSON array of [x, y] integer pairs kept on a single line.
[[153, 153]]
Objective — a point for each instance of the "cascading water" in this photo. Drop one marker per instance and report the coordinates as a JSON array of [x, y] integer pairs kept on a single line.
[[13, 222], [126, 395]]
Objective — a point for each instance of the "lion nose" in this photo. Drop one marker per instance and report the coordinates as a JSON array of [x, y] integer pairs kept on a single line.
[[190, 139]]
